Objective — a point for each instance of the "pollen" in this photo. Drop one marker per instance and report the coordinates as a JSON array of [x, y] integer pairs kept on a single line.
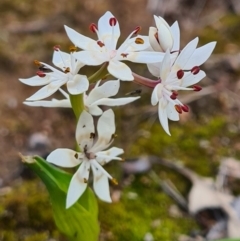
[[139, 41], [93, 27], [85, 180], [124, 55], [67, 70], [72, 48], [112, 21], [114, 181], [178, 109], [100, 43], [37, 63]]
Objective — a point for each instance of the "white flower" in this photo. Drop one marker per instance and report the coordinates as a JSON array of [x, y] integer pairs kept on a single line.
[[53, 78], [104, 49], [92, 156], [98, 96], [161, 37], [178, 76]]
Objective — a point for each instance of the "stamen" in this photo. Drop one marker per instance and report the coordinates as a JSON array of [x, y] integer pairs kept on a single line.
[[72, 48], [92, 135], [67, 70], [56, 47], [156, 37], [76, 156], [195, 70], [114, 181], [37, 63], [180, 74], [41, 74], [100, 43], [185, 108], [197, 88], [93, 27], [114, 136], [124, 55], [112, 21], [178, 109], [174, 95], [137, 30], [139, 41], [85, 180]]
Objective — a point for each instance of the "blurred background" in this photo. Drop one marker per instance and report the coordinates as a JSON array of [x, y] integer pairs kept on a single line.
[[202, 140]]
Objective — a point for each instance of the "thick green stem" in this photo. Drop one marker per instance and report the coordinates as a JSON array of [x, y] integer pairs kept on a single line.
[[77, 104], [101, 73]]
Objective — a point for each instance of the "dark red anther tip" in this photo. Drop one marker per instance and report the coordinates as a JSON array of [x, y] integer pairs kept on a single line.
[[137, 30], [100, 43], [174, 95], [41, 74], [93, 27], [180, 74], [178, 109], [56, 47], [195, 70], [197, 88], [112, 21], [185, 108]]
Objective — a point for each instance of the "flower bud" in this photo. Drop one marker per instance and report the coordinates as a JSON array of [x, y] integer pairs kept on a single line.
[[160, 38]]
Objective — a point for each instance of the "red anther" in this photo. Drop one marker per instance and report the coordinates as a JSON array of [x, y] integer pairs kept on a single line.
[[112, 21], [174, 92], [173, 97], [185, 108], [156, 37], [137, 30], [41, 74], [93, 27], [180, 73], [178, 109], [139, 41], [124, 55], [56, 47], [100, 43], [197, 88], [195, 70]]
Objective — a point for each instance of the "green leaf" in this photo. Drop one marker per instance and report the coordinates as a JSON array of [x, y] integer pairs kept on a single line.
[[79, 222]]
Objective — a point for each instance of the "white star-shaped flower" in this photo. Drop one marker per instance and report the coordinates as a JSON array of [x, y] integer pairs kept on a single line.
[[105, 48], [98, 96], [178, 76], [53, 78], [91, 157]]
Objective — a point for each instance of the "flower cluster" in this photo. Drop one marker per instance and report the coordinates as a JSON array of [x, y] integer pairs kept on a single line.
[[175, 69]]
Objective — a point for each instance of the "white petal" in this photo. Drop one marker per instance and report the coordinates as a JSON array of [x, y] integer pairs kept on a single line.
[[153, 41], [80, 40], [200, 55], [91, 57], [85, 128], [106, 128], [155, 94], [46, 91], [154, 69], [49, 103], [109, 88], [165, 37], [37, 81], [104, 157], [101, 185], [185, 54], [115, 102], [78, 184], [172, 114], [193, 79], [61, 59], [176, 36], [120, 70], [108, 34], [144, 57], [64, 157], [78, 85], [165, 67], [162, 114], [94, 110]]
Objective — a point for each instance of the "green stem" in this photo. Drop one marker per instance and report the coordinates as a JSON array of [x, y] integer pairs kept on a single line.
[[77, 104], [101, 73]]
